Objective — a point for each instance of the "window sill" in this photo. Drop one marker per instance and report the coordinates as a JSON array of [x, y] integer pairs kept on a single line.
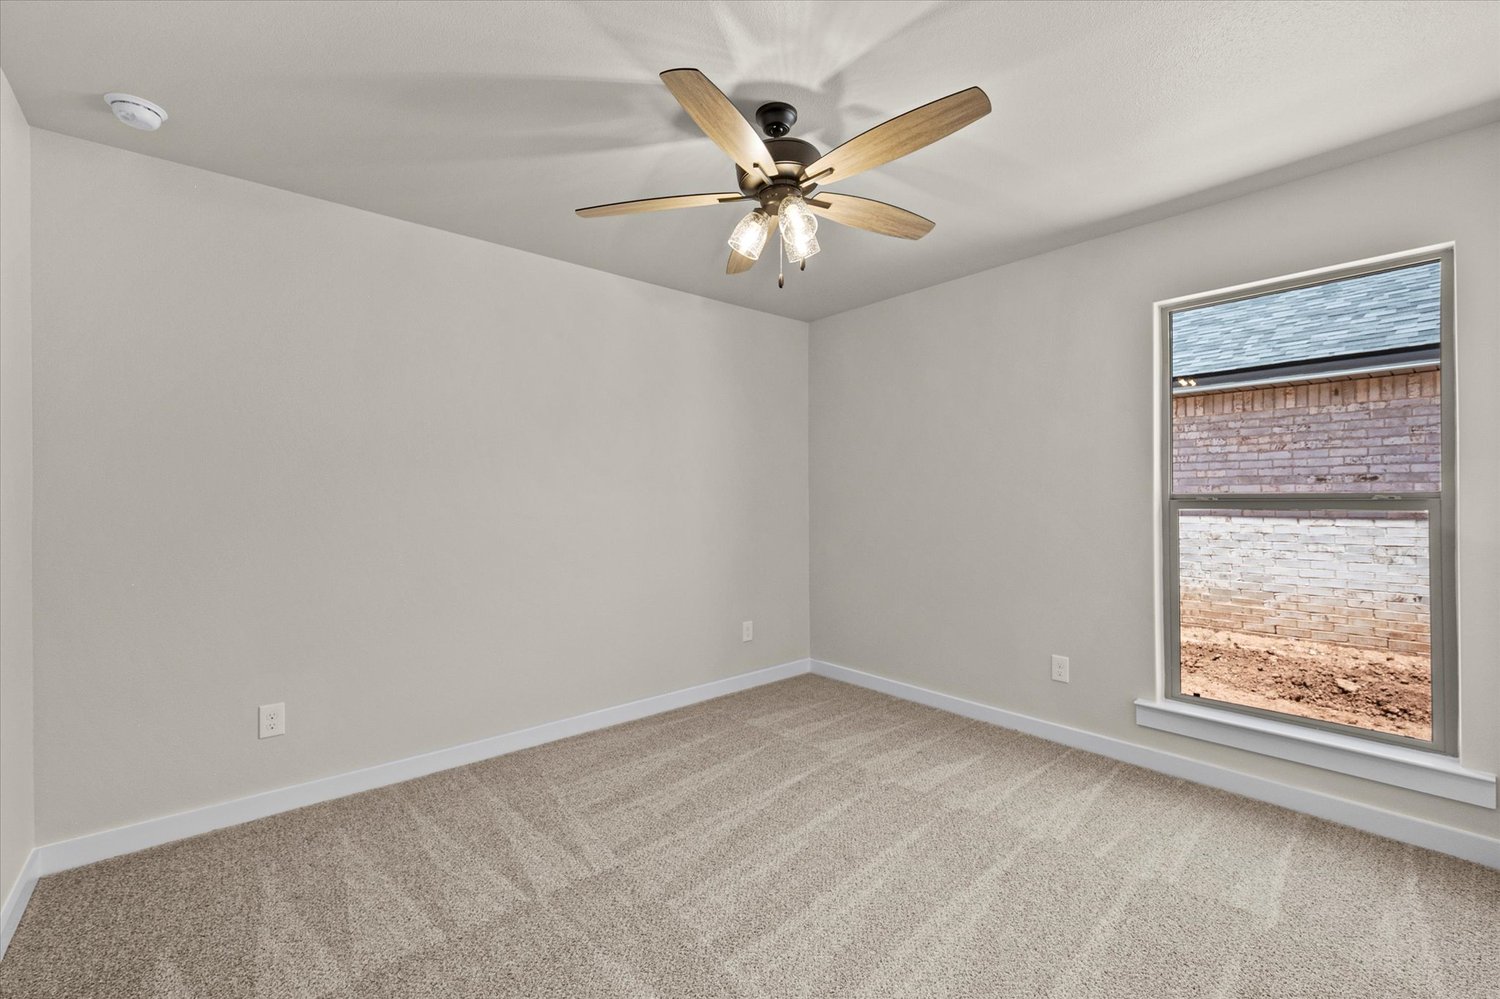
[[1414, 769]]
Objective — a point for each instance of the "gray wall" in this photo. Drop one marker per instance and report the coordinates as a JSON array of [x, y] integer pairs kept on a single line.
[[16, 797], [427, 489], [982, 455], [422, 488]]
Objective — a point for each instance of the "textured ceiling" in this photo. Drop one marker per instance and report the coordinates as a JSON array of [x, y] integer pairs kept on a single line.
[[496, 120]]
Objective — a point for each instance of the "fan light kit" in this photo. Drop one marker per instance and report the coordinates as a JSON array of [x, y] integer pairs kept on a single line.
[[137, 112], [781, 173]]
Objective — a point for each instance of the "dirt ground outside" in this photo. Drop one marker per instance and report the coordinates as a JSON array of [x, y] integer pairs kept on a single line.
[[1374, 689]]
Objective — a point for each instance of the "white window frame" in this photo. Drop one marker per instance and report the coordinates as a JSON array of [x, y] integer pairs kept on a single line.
[[1430, 765]]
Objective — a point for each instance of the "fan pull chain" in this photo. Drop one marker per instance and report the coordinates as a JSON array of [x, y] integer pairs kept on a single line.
[[780, 267]]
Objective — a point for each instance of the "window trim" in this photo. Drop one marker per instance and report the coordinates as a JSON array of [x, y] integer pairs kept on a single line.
[[1401, 766], [1440, 508]]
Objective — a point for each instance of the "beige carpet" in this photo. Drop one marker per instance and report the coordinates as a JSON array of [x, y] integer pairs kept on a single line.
[[802, 839]]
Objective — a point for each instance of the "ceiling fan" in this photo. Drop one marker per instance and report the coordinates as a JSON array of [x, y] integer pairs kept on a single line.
[[782, 173]]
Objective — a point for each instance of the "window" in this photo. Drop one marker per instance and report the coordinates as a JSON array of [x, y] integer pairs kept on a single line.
[[1308, 517]]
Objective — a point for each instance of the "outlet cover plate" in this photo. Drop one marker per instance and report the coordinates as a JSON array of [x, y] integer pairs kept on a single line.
[[272, 720]]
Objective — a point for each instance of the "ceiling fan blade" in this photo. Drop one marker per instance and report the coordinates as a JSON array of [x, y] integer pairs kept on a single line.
[[901, 135], [720, 120], [876, 216], [738, 262], [659, 204]]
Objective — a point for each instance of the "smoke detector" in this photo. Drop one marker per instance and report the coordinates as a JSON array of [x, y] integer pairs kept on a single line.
[[137, 112]]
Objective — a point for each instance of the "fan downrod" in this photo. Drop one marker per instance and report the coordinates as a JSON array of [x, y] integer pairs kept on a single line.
[[776, 118]]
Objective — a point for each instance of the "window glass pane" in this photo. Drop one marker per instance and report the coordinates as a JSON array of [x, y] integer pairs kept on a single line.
[[1329, 388], [1323, 614]]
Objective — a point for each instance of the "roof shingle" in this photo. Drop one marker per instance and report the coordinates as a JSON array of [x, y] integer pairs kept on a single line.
[[1391, 310]]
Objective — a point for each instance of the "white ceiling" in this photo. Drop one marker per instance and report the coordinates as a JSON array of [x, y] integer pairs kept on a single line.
[[496, 120]]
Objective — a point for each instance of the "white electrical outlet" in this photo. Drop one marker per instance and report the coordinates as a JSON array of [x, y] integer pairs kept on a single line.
[[747, 631], [272, 720], [1060, 669]]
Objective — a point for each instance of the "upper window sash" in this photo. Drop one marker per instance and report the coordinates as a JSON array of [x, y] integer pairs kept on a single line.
[[1348, 400]]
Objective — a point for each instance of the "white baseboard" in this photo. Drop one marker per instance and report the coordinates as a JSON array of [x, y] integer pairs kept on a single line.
[[61, 856], [15, 902], [1419, 832]]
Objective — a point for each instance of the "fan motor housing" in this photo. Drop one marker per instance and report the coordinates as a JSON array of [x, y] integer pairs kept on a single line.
[[791, 156]]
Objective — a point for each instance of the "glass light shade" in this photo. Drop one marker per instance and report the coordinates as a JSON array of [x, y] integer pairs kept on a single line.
[[799, 249], [749, 236], [798, 228], [797, 220]]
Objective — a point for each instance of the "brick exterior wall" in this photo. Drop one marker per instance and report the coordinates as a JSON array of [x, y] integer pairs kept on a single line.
[[1359, 581], [1356, 581], [1369, 434]]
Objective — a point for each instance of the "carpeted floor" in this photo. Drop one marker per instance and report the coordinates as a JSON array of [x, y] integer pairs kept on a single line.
[[802, 839]]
